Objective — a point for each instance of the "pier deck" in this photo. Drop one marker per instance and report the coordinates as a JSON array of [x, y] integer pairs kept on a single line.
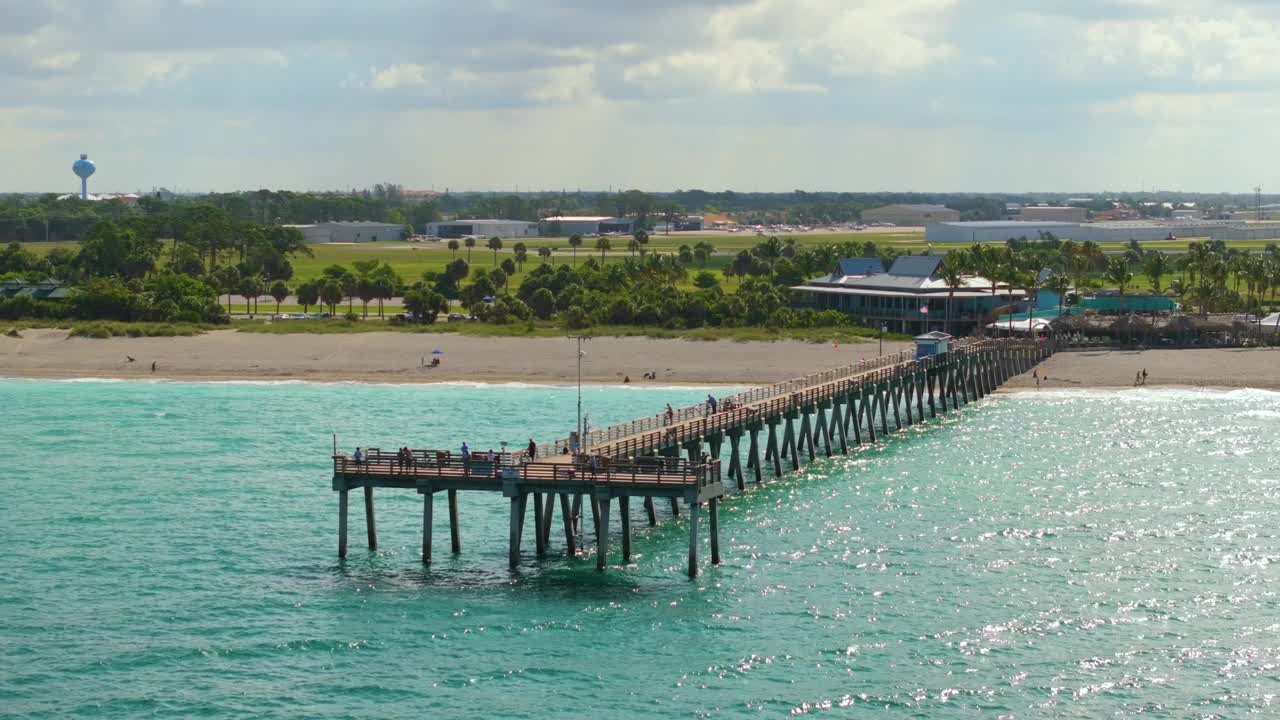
[[823, 413]]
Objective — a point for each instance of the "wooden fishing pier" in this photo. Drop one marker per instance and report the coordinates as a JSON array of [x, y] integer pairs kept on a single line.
[[677, 457]]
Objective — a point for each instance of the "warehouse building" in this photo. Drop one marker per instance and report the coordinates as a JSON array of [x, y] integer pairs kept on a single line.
[[910, 297], [566, 225], [353, 231], [910, 215], [1057, 214], [454, 229], [1101, 232], [995, 231]]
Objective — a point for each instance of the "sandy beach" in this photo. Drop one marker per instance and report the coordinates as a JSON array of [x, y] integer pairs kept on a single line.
[[1224, 368], [396, 357]]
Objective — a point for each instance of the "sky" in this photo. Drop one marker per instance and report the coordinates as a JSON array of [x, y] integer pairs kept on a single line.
[[748, 95]]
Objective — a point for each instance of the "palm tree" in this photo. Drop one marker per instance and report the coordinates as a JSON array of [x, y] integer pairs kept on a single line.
[[364, 288], [331, 294], [544, 252], [1060, 284], [250, 288], [633, 245], [1118, 271], [685, 254], [602, 244], [642, 239], [521, 252], [279, 291], [308, 294], [495, 244], [1156, 266], [703, 250], [470, 243], [575, 241], [951, 271], [453, 247], [350, 286]]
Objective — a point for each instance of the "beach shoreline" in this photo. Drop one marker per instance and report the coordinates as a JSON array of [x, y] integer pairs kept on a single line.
[[403, 358], [1204, 369]]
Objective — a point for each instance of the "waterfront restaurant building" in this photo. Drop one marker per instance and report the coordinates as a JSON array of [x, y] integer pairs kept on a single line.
[[909, 297]]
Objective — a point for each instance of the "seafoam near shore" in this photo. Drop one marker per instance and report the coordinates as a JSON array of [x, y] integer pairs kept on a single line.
[[398, 357]]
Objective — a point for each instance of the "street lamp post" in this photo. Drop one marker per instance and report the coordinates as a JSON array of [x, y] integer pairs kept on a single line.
[[883, 329], [582, 439]]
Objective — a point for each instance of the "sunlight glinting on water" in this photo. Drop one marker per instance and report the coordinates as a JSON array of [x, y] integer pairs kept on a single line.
[[172, 551]]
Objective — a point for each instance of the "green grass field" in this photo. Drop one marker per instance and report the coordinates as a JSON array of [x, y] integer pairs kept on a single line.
[[410, 260]]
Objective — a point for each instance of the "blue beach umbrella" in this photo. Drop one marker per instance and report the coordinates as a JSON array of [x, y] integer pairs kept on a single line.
[[437, 351]]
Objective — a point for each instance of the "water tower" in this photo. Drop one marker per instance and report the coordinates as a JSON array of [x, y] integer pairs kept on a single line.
[[83, 168]]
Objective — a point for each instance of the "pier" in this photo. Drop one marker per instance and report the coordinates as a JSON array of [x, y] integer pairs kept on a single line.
[[692, 456]]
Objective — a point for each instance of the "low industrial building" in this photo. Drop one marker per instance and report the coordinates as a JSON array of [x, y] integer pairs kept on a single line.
[[505, 229], [351, 231], [1101, 232], [910, 297], [44, 290], [1058, 214], [994, 231], [566, 225], [910, 215]]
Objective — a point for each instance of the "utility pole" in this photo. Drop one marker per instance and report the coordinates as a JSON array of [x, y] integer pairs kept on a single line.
[[582, 435]]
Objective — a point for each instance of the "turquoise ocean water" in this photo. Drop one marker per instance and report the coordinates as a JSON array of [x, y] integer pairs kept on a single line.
[[170, 550]]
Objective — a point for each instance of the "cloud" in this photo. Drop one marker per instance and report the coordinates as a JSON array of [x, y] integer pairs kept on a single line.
[[1166, 105], [946, 81], [397, 76]]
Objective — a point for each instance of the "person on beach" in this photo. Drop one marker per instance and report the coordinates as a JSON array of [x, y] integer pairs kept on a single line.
[[1144, 376], [626, 379], [1137, 379], [153, 366]]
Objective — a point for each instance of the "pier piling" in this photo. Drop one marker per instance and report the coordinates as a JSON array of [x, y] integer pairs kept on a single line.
[[371, 529]]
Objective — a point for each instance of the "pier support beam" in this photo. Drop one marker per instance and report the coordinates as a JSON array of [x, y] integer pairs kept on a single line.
[[602, 531], [624, 513], [342, 523], [455, 534], [371, 528], [428, 505], [735, 459], [754, 450], [693, 538], [772, 452], [714, 514], [517, 527], [649, 510], [570, 537], [539, 541], [548, 509]]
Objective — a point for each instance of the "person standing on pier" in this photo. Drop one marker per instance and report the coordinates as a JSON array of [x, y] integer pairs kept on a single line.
[[670, 415], [532, 450]]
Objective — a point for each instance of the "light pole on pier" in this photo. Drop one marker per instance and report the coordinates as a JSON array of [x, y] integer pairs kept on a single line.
[[883, 329], [582, 439]]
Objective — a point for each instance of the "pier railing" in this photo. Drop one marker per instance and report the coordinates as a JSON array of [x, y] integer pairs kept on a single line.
[[754, 395], [608, 434], [595, 469], [841, 383]]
